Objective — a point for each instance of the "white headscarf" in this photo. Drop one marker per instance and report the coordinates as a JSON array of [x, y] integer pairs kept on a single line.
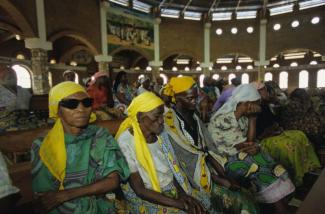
[[242, 93]]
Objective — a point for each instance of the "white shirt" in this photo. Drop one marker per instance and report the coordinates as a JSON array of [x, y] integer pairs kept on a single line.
[[6, 188], [165, 175]]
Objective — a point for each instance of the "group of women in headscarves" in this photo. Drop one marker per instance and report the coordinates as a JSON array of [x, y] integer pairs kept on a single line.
[[163, 159]]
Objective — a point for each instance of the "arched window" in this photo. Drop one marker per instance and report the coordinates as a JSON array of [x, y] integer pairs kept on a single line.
[[201, 78], [321, 78], [180, 75], [230, 77], [164, 77], [283, 79], [140, 76], [24, 78], [303, 79], [76, 79], [268, 76], [245, 78], [215, 76], [50, 79]]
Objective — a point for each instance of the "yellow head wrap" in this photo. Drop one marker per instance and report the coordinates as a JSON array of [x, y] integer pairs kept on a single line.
[[145, 102], [53, 152], [178, 84]]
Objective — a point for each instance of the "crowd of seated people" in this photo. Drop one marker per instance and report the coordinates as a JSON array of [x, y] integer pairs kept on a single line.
[[180, 149]]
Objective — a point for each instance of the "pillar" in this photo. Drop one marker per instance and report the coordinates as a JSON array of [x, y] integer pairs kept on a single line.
[[262, 51], [103, 59], [38, 47], [206, 64], [156, 64]]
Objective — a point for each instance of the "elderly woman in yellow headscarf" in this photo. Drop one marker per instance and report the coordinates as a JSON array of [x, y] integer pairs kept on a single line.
[[191, 140], [75, 164], [156, 184]]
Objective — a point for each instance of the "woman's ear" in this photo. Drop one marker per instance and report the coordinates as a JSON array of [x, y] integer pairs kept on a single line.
[[139, 117]]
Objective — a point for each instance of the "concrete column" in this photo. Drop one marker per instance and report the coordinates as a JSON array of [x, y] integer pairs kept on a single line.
[[156, 64], [39, 47], [40, 70], [103, 59], [206, 64], [262, 50]]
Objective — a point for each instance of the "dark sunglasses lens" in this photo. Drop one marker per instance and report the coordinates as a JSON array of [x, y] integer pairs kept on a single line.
[[71, 104], [87, 102]]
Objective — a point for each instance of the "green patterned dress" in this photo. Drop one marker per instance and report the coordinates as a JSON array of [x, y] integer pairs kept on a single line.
[[91, 156]]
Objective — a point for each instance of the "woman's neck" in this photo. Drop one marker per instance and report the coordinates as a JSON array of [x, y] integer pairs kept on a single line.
[[185, 113], [71, 130]]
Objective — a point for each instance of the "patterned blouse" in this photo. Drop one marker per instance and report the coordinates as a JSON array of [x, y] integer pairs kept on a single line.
[[227, 132]]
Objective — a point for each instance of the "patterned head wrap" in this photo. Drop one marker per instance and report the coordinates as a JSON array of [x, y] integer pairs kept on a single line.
[[177, 85], [53, 152], [242, 93], [145, 102]]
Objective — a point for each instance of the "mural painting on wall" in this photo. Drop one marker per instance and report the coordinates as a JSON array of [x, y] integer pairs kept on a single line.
[[126, 30]]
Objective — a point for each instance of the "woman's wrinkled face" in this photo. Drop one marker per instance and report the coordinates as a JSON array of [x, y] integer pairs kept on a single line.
[[264, 94], [153, 121], [250, 107], [188, 99], [77, 117]]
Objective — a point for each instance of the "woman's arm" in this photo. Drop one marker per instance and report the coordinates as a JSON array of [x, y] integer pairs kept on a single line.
[[50, 200], [141, 191], [121, 97]]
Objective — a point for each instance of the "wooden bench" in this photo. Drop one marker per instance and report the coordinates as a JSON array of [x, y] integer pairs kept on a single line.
[[19, 142], [313, 203]]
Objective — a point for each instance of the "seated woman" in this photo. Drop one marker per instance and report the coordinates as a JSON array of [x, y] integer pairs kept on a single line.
[[122, 90], [156, 184], [190, 140], [231, 127], [100, 91], [299, 114], [290, 148], [75, 164]]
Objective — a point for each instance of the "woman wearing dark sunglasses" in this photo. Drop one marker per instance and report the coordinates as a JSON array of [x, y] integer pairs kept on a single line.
[[75, 164]]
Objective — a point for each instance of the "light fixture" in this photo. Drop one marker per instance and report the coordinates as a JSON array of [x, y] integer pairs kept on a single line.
[[294, 64], [161, 69], [315, 20], [221, 16], [246, 14], [224, 60], [273, 59], [224, 68], [20, 56], [121, 2], [281, 9], [180, 75], [170, 13], [148, 68], [265, 66], [234, 30], [250, 29], [210, 68], [276, 65], [295, 23], [238, 67], [182, 61], [313, 62], [174, 68], [187, 68], [122, 67], [191, 15], [17, 36], [244, 59], [219, 31], [137, 68], [249, 67], [141, 6], [296, 55], [311, 3], [198, 68], [276, 26], [73, 63], [52, 61]]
